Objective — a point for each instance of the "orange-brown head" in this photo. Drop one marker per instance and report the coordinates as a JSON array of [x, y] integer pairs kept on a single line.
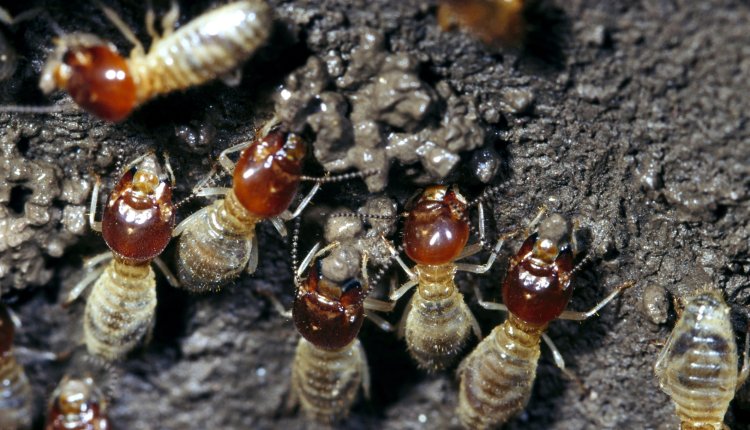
[[537, 286], [77, 404], [327, 314], [7, 331], [437, 228], [97, 78], [495, 22], [139, 217], [267, 174]]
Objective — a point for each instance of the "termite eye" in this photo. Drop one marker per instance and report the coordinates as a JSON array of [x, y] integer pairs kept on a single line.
[[436, 230], [267, 174], [328, 316], [538, 293], [139, 218], [99, 80], [6, 331]]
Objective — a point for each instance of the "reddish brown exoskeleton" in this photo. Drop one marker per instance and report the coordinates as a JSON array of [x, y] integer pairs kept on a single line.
[[218, 242], [110, 86], [77, 404], [495, 22], [330, 364], [137, 225], [536, 291], [437, 321], [15, 392]]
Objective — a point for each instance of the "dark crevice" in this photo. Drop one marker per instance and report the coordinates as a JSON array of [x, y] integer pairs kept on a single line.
[[19, 195]]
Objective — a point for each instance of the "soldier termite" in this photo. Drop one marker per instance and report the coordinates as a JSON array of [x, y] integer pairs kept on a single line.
[[109, 86], [499, 22], [15, 392], [77, 404], [698, 366], [437, 321], [218, 242], [137, 225], [497, 377], [330, 364]]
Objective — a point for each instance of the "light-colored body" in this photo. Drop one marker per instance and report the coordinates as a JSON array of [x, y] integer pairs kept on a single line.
[[120, 310], [698, 366], [206, 48], [15, 395], [326, 382], [216, 244], [437, 322], [497, 377]]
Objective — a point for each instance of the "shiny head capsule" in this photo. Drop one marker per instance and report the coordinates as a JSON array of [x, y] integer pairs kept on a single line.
[[494, 22], [77, 404]]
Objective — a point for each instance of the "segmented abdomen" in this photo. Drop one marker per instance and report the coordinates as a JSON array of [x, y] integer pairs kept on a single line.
[[120, 310], [326, 382], [15, 396], [208, 47], [497, 377], [215, 247], [437, 330]]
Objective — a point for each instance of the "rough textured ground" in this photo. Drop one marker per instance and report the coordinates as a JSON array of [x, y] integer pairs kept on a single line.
[[638, 129]]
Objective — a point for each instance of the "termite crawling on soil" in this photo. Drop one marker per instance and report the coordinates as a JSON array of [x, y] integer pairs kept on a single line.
[[109, 86], [437, 321], [137, 225], [498, 376], [15, 392], [218, 242], [698, 366]]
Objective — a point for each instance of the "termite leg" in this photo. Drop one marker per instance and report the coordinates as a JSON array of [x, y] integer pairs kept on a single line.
[[380, 321], [150, 18], [97, 260], [406, 286], [490, 306], [312, 255], [560, 362], [365, 370], [81, 286], [252, 262], [169, 21], [171, 278], [303, 204], [225, 162], [277, 305], [95, 225], [745, 371], [212, 191], [580, 316], [475, 325], [477, 268], [278, 224], [186, 222], [169, 170], [138, 50]]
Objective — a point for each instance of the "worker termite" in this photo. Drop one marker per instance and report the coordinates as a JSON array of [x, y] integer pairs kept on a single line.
[[137, 225], [330, 364], [493, 21], [15, 391], [698, 366], [218, 242], [109, 86], [77, 404], [497, 377], [437, 321]]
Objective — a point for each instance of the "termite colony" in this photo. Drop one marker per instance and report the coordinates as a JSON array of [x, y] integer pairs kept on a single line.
[[332, 286]]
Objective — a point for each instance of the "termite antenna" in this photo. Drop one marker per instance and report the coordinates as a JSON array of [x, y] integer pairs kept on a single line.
[[341, 177], [363, 217], [487, 194], [295, 249], [35, 110], [379, 275]]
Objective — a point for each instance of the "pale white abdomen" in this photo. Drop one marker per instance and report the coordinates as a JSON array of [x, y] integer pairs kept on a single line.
[[208, 47], [497, 377], [120, 310], [326, 382]]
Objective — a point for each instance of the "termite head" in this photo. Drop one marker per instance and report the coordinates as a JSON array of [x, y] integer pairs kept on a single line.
[[327, 314], [267, 174], [77, 403], [537, 286], [93, 73], [7, 331], [495, 22], [436, 229], [139, 217]]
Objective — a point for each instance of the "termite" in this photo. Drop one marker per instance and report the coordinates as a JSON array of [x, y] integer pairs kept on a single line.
[[499, 22], [136, 225], [697, 367], [330, 364], [77, 404], [109, 86], [15, 392], [218, 242], [437, 322], [497, 377]]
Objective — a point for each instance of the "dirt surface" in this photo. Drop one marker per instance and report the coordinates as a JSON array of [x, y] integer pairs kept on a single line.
[[629, 117]]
